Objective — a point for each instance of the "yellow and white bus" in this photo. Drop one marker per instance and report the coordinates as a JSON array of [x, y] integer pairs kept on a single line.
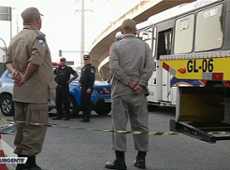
[[191, 47]]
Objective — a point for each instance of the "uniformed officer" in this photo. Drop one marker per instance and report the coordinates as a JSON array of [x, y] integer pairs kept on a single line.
[[86, 82], [29, 62], [118, 37], [131, 62], [62, 78]]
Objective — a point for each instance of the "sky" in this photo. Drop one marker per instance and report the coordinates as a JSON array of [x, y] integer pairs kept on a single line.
[[62, 22]]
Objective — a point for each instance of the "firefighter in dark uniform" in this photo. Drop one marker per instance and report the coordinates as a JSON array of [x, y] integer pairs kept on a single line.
[[86, 82], [62, 78]]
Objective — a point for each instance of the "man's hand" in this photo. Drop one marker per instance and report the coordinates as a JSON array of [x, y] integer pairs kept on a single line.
[[69, 81], [132, 84], [79, 84], [16, 75], [138, 89], [22, 80], [89, 90], [27, 74]]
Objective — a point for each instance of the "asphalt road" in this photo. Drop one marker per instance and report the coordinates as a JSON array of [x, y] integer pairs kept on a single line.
[[71, 149]]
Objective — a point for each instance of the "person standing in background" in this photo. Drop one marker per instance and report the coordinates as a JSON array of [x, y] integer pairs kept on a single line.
[[131, 62], [87, 82], [63, 80], [118, 37]]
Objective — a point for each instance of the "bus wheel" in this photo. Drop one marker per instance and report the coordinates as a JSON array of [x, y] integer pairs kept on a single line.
[[214, 84], [218, 85], [152, 108]]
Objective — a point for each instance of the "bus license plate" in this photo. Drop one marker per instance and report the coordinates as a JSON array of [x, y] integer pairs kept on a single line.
[[205, 66]]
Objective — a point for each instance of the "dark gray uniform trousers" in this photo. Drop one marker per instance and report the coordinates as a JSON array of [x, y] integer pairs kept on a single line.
[[136, 108]]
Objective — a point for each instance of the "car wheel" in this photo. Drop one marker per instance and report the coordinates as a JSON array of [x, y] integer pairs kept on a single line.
[[73, 107], [7, 105], [102, 112]]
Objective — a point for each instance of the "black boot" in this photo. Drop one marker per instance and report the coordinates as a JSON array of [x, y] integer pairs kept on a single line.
[[31, 163], [140, 160], [57, 118], [119, 163], [66, 118], [85, 119], [21, 166]]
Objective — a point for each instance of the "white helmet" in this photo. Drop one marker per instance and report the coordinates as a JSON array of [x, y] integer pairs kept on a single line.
[[118, 35]]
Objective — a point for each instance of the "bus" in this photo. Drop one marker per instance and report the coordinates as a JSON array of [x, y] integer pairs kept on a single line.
[[199, 29]]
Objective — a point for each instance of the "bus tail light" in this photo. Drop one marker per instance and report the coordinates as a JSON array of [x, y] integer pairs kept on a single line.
[[182, 69]]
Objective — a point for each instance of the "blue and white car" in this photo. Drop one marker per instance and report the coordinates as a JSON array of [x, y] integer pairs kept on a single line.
[[101, 97], [6, 93]]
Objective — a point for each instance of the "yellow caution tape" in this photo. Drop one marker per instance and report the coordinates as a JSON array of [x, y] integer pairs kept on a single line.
[[95, 130], [107, 130], [218, 133]]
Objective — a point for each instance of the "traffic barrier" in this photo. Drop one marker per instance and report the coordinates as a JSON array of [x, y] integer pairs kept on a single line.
[[2, 166]]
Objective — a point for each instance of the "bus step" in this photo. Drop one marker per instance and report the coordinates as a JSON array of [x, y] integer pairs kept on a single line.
[[209, 134]]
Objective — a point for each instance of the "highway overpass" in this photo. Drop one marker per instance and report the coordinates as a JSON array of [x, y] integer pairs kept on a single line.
[[99, 49]]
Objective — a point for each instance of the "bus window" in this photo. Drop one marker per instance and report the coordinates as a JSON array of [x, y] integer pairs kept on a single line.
[[184, 35], [168, 42], [209, 33], [149, 36], [164, 43], [154, 41]]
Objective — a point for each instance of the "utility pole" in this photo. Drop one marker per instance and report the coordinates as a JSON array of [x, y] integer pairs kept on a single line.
[[11, 23], [12, 8], [82, 30], [17, 25], [83, 10], [4, 58]]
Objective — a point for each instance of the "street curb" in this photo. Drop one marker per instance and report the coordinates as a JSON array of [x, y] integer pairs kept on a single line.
[[9, 152]]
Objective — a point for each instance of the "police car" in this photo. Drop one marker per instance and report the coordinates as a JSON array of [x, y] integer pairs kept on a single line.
[[6, 93], [101, 96]]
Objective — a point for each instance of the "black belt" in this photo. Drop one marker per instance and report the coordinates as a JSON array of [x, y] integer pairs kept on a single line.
[[84, 84], [59, 85]]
